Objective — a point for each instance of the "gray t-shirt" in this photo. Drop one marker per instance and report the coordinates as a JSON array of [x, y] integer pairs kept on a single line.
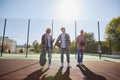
[[48, 40]]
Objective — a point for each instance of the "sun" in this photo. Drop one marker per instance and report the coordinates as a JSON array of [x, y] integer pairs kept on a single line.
[[68, 9]]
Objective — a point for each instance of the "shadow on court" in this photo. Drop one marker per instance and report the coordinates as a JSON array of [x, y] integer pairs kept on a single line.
[[13, 69], [89, 75], [35, 75], [58, 75]]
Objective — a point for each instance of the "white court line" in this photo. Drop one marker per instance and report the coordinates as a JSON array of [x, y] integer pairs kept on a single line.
[[106, 73]]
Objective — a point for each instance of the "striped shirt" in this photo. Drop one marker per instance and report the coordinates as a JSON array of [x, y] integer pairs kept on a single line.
[[66, 39]]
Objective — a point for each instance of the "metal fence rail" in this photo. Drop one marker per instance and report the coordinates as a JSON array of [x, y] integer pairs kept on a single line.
[[21, 33]]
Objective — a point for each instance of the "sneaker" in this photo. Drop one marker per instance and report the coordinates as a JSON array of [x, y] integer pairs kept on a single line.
[[79, 64], [68, 65]]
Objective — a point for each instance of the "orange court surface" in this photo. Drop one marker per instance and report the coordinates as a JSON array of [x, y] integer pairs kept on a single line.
[[30, 69]]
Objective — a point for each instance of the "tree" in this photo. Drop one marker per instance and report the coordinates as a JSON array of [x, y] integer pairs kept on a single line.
[[90, 37], [36, 46], [21, 51], [91, 44], [35, 42], [113, 33]]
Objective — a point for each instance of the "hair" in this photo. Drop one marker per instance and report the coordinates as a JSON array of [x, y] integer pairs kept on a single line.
[[62, 28], [81, 30], [47, 30]]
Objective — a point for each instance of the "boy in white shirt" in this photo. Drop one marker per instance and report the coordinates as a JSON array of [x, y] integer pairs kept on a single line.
[[64, 40]]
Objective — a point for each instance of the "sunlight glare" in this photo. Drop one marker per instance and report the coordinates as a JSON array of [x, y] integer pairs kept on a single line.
[[69, 9]]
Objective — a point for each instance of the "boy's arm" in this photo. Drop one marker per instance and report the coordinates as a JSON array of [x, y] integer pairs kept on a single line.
[[42, 40], [57, 40]]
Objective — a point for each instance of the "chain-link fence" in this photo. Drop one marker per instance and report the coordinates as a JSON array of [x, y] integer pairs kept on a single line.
[[21, 35]]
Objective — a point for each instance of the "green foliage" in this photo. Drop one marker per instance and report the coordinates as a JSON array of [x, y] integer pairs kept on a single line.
[[21, 51], [113, 33], [72, 47], [90, 37], [91, 47], [36, 46], [105, 48], [35, 42]]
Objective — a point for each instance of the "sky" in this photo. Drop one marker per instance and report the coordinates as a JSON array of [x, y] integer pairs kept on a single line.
[[63, 13]]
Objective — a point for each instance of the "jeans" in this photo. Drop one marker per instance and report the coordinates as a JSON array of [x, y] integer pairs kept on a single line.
[[80, 55], [64, 50], [49, 51]]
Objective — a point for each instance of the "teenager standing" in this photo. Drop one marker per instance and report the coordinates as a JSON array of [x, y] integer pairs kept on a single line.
[[81, 41], [64, 41], [47, 46]]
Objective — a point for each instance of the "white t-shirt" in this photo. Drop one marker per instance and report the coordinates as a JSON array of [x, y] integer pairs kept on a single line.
[[63, 44]]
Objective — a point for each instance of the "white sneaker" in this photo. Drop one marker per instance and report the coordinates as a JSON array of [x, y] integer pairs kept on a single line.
[[79, 64], [68, 65]]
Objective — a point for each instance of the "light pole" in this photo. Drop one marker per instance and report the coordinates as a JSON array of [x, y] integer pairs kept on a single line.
[[99, 44]]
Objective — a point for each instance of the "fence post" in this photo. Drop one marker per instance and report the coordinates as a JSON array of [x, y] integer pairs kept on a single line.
[[3, 37], [99, 39], [28, 37], [75, 40]]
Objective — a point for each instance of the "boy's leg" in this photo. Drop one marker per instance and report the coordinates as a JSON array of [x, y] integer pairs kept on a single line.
[[62, 56], [82, 52], [49, 57], [78, 53], [68, 57]]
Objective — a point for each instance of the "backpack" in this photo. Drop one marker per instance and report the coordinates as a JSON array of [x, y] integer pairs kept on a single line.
[[42, 59], [82, 43]]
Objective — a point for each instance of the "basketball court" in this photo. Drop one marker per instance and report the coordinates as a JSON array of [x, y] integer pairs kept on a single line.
[[21, 68]]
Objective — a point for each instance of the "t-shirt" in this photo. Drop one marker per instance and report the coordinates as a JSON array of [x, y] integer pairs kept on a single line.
[[79, 39], [48, 40], [63, 44]]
